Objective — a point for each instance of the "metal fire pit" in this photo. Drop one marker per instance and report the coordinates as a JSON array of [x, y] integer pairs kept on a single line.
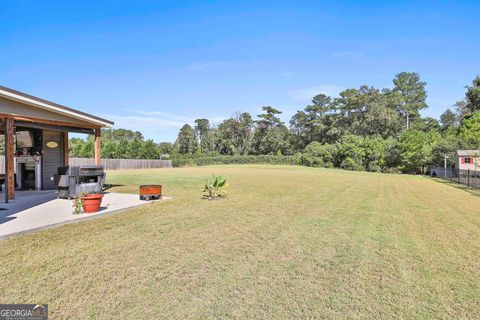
[[150, 192]]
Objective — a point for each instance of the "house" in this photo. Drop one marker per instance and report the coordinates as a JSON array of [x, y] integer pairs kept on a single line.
[[467, 160], [36, 139]]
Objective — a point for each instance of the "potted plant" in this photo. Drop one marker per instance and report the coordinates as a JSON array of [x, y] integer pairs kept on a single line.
[[87, 203], [91, 202]]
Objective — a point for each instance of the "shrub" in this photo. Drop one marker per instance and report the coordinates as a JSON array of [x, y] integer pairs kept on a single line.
[[318, 155], [351, 152], [351, 164], [180, 161]]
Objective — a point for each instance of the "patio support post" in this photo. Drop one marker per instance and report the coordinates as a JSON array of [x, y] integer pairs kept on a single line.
[[98, 156], [9, 160], [66, 153]]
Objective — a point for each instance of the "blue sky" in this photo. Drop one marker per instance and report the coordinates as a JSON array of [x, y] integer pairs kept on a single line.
[[154, 65]]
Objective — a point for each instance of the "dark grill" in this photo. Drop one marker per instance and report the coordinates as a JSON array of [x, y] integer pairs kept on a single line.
[[72, 181]]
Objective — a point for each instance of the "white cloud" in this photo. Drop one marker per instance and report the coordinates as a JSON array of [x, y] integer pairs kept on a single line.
[[154, 121], [140, 122], [160, 114], [151, 124], [310, 92]]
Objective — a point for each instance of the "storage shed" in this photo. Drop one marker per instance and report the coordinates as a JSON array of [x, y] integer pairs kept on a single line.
[[467, 160]]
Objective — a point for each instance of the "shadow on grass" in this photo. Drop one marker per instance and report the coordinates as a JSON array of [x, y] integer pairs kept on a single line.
[[472, 190]]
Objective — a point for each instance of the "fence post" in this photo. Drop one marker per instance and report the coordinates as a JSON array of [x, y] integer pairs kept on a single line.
[[468, 178]]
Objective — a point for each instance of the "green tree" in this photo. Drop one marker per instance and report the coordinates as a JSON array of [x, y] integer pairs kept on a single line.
[[275, 141], [234, 135], [318, 155], [134, 149], [416, 150], [446, 146], [245, 129], [269, 118], [88, 148], [313, 123], [75, 145], [262, 136], [411, 95], [149, 150], [300, 134], [375, 153], [350, 153], [109, 149], [202, 129], [121, 134], [470, 130], [122, 148], [448, 119], [367, 112], [426, 124], [186, 142], [165, 148], [227, 137], [472, 96], [461, 109]]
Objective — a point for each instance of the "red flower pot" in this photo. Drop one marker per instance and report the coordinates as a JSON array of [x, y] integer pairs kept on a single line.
[[92, 202]]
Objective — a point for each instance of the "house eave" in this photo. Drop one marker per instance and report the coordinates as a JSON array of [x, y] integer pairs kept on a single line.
[[53, 107]]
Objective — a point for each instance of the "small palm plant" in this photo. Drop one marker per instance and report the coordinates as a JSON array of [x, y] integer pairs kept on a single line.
[[215, 188]]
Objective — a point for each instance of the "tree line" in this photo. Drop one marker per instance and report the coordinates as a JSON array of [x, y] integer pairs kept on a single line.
[[120, 144], [362, 129]]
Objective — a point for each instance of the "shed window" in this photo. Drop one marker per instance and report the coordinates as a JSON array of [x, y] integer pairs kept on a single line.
[[468, 160]]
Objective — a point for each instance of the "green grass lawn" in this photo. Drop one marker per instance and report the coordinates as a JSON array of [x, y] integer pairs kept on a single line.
[[288, 243]]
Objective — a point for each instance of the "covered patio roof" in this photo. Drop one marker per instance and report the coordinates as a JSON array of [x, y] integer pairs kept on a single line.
[[78, 118], [18, 109]]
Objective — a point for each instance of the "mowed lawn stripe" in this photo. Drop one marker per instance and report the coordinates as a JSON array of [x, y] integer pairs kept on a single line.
[[288, 242]]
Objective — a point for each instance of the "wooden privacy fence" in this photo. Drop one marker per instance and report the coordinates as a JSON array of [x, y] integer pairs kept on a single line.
[[119, 164], [112, 164]]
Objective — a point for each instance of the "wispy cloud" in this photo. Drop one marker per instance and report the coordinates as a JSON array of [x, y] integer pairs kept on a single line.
[[310, 92], [158, 128], [140, 122], [165, 115], [155, 121]]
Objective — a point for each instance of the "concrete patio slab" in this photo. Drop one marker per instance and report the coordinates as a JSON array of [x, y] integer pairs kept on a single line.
[[35, 210]]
